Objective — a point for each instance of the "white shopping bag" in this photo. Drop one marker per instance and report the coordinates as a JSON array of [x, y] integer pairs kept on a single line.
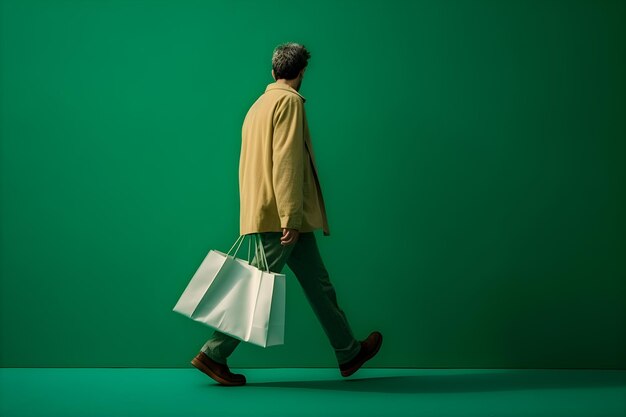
[[235, 297]]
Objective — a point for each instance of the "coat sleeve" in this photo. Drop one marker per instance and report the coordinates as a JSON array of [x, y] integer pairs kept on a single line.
[[288, 161]]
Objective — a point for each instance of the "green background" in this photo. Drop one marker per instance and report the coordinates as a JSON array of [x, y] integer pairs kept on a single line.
[[471, 155]]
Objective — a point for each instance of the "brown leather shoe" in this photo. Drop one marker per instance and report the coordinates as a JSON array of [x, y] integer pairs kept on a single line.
[[369, 348], [219, 372]]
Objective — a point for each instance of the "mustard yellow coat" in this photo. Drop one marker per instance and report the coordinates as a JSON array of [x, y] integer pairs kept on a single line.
[[278, 178]]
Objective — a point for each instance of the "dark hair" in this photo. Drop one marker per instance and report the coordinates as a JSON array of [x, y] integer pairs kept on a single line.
[[288, 59]]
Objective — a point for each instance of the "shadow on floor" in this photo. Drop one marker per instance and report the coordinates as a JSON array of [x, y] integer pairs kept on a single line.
[[478, 382]]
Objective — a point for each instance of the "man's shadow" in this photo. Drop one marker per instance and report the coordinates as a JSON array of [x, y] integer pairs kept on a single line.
[[497, 380]]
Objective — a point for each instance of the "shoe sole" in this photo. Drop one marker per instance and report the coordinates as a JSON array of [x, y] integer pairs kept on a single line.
[[202, 367], [367, 358]]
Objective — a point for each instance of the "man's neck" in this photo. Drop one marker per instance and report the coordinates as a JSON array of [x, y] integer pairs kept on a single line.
[[291, 84]]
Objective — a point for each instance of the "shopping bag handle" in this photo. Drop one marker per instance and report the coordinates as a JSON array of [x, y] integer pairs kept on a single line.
[[258, 244]]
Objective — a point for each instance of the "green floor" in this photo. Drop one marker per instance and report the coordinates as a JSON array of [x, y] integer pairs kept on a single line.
[[312, 392]]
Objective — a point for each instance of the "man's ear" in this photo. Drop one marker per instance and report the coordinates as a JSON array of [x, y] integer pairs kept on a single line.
[[273, 75]]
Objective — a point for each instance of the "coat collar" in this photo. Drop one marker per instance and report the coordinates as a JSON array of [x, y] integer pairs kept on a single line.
[[281, 86]]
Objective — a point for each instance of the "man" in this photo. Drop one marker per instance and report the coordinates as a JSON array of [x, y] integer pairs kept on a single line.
[[281, 200]]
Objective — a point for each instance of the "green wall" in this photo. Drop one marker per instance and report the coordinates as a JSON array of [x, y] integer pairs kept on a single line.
[[471, 154]]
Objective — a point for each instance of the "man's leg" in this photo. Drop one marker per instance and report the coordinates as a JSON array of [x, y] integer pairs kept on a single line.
[[220, 346], [306, 263]]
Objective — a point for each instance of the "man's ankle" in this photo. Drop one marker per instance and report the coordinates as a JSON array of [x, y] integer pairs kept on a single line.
[[214, 358]]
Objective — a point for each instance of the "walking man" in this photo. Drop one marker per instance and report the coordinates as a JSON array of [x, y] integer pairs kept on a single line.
[[281, 200]]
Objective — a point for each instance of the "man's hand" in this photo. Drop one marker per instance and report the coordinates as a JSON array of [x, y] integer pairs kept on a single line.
[[289, 237]]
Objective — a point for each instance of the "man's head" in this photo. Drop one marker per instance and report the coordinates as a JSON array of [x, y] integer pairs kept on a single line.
[[289, 61]]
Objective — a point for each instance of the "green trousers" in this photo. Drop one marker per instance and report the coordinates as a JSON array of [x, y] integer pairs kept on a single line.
[[305, 261]]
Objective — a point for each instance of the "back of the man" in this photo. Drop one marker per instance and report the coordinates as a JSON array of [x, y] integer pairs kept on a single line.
[[277, 184]]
